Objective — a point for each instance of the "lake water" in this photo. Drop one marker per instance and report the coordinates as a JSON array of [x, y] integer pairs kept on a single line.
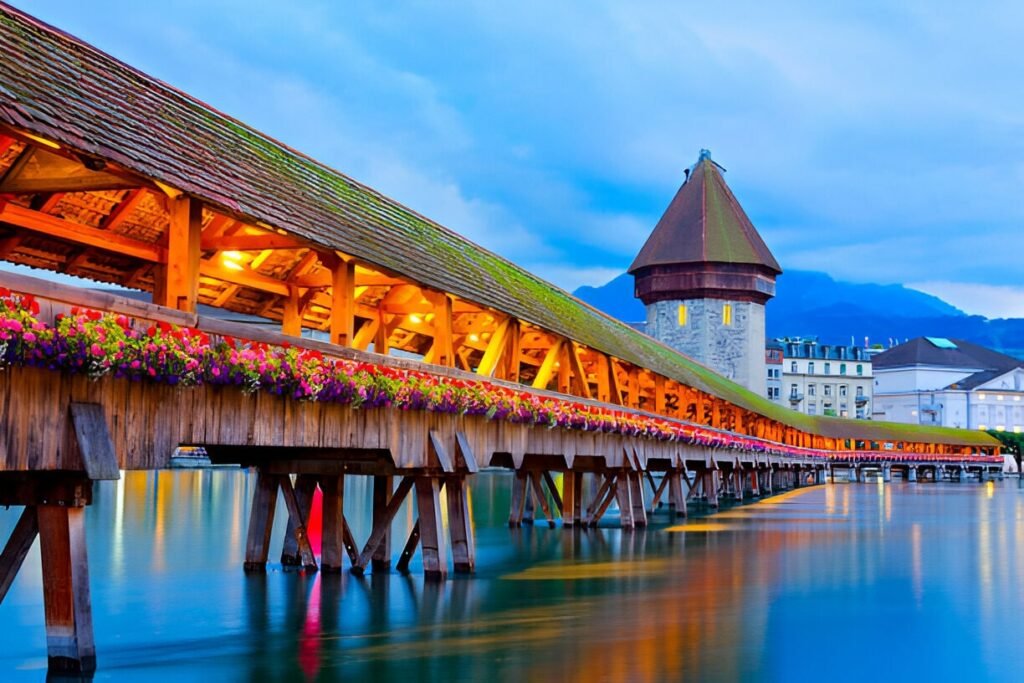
[[846, 582]]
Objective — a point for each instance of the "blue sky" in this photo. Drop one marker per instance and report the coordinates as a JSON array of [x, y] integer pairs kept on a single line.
[[878, 142]]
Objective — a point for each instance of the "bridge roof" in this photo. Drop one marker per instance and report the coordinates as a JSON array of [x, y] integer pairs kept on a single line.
[[705, 223], [62, 89]]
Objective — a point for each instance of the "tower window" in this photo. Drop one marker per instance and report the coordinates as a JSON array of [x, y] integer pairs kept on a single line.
[[682, 315], [727, 314]]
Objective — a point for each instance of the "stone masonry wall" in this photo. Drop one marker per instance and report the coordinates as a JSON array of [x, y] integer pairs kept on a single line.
[[735, 351]]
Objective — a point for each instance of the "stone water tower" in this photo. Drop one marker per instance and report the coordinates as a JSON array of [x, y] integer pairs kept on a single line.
[[705, 275]]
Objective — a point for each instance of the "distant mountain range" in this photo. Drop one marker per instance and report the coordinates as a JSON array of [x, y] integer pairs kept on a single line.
[[812, 304]]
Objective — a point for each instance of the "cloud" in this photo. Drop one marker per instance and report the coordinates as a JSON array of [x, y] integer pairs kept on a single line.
[[991, 301]]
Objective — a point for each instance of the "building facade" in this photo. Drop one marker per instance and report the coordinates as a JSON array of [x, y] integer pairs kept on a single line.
[[773, 363], [704, 275], [826, 379], [949, 383]]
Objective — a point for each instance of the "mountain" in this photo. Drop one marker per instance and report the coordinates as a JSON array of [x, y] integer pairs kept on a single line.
[[813, 304]]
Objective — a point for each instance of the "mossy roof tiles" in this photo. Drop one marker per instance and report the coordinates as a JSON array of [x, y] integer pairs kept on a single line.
[[58, 87]]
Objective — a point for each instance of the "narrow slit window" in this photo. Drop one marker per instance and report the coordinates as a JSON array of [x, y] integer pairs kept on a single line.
[[727, 314], [682, 315]]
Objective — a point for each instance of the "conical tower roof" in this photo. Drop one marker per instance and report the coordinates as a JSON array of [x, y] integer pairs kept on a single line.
[[705, 224]]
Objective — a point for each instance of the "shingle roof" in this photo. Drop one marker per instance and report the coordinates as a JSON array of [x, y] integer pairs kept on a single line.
[[58, 87], [704, 223]]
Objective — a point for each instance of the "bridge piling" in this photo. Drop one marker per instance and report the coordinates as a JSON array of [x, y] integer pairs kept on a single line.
[[383, 486], [305, 486]]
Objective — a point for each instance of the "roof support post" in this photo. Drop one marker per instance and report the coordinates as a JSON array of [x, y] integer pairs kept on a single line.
[[343, 279], [176, 284], [291, 319], [443, 348]]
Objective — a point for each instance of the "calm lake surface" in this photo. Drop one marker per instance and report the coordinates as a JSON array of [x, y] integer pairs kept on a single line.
[[832, 583]]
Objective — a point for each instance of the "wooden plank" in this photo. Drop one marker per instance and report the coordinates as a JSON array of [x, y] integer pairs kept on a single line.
[[380, 530], [261, 522], [94, 442], [433, 545], [383, 485], [295, 511], [69, 634], [333, 506], [305, 486], [22, 537], [459, 525]]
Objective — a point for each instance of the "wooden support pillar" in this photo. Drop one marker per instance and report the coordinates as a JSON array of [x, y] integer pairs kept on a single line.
[[541, 498], [176, 282], [343, 281], [568, 499], [520, 493], [299, 515], [623, 496], [333, 506], [605, 495], [460, 525], [409, 550], [677, 499], [755, 488], [443, 350], [291, 316], [432, 539], [636, 494], [69, 636], [711, 482], [261, 522], [305, 486], [577, 501], [383, 485]]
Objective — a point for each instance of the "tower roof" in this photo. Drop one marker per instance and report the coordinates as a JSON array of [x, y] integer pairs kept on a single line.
[[705, 224]]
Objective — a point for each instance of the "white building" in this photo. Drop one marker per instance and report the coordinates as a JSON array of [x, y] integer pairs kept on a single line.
[[951, 383], [825, 379]]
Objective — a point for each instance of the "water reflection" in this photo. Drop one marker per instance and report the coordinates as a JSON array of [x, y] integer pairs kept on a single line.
[[925, 568]]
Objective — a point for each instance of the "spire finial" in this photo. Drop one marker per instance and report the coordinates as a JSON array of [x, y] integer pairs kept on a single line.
[[704, 154]]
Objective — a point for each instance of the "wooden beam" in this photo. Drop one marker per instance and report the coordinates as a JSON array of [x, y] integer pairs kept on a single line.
[[494, 352], [122, 211], [297, 516], [343, 279], [59, 228], [442, 351], [383, 525], [241, 242], [177, 284], [18, 545], [579, 373], [547, 368], [69, 635], [333, 516], [291, 318], [261, 522]]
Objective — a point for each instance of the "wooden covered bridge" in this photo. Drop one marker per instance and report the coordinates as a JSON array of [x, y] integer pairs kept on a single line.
[[432, 357]]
